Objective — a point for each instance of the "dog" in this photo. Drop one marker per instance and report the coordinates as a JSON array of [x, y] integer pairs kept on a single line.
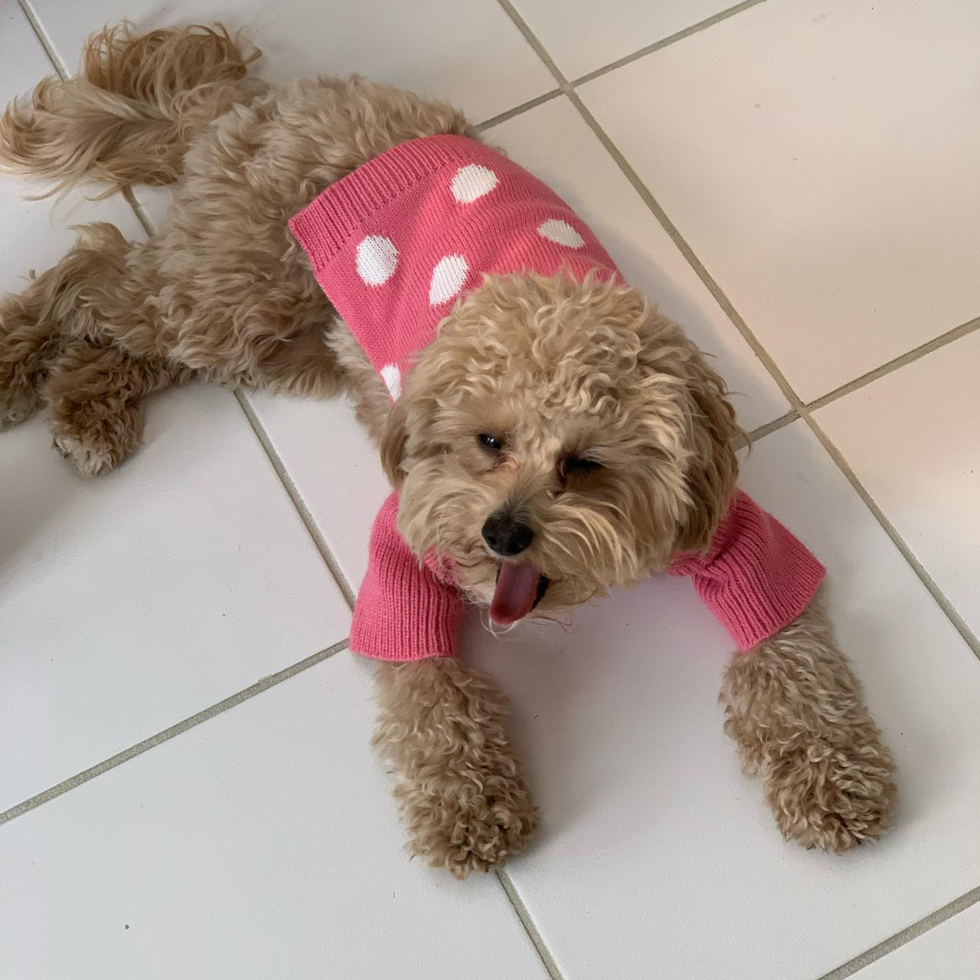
[[492, 425]]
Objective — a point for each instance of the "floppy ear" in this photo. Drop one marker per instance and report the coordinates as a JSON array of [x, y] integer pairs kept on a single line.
[[394, 441], [714, 466]]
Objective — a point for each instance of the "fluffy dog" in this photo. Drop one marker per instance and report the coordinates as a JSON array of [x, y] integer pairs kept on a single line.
[[224, 292]]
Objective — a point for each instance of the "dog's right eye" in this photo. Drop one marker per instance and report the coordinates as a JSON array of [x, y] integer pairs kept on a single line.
[[490, 442]]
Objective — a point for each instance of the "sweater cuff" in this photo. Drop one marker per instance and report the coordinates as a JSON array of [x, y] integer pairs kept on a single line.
[[766, 601], [403, 612], [755, 577]]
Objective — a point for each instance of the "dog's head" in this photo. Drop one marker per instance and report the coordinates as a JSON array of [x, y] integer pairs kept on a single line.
[[558, 438]]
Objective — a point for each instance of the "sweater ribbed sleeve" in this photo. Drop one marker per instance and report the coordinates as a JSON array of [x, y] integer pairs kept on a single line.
[[403, 611], [756, 577]]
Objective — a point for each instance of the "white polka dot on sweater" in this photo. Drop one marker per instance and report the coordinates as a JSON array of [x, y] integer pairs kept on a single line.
[[447, 278], [377, 259], [392, 377], [471, 182], [560, 232]]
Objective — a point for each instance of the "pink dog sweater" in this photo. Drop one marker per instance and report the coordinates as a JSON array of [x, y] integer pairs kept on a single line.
[[393, 245]]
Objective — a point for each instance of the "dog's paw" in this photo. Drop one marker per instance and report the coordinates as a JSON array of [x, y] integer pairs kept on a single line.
[[465, 824], [832, 796], [95, 437], [18, 401]]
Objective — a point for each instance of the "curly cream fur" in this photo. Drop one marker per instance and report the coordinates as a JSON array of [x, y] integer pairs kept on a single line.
[[460, 786], [796, 713], [553, 366]]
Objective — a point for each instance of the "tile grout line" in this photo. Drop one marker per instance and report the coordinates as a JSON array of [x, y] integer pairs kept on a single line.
[[796, 403], [141, 216], [296, 498], [909, 357], [49, 49], [605, 69], [260, 433], [536, 46], [900, 939], [959, 624], [675, 236], [192, 721], [529, 927], [701, 25], [654, 206], [889, 367], [769, 427], [518, 110]]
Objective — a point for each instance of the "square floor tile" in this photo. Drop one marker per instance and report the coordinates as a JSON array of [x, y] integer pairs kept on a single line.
[[262, 843], [820, 158], [133, 600], [467, 51], [912, 439], [582, 37], [950, 951], [650, 834], [35, 234]]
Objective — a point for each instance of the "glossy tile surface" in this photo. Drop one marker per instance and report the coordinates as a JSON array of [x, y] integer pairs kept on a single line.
[[912, 439], [813, 164], [261, 843]]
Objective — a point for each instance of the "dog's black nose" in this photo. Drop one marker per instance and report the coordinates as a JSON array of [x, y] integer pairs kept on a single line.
[[506, 535]]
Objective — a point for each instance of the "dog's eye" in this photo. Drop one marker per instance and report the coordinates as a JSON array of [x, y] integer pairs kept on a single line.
[[578, 464], [490, 442]]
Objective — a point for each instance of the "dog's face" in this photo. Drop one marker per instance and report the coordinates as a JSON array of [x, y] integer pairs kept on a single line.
[[558, 438]]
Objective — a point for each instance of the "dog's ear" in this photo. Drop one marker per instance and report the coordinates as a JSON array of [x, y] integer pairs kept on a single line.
[[394, 441], [713, 468]]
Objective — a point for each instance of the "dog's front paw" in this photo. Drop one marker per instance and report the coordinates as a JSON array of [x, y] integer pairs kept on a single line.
[[468, 820], [831, 795], [795, 710], [460, 785]]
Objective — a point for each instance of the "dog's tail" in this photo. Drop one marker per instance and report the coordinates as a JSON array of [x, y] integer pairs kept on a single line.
[[132, 111]]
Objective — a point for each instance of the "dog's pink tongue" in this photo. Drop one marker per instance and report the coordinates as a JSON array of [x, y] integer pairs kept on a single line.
[[517, 588]]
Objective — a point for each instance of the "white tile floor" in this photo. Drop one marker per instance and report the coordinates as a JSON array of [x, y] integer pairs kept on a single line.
[[795, 180]]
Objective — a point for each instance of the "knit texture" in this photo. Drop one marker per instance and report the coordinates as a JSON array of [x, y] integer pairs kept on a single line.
[[396, 242], [756, 577], [404, 610]]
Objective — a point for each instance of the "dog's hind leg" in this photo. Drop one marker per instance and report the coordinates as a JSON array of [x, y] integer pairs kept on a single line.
[[27, 347], [94, 395], [35, 323], [82, 337]]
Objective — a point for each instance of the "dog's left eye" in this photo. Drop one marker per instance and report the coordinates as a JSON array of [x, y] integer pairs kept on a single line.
[[490, 442]]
